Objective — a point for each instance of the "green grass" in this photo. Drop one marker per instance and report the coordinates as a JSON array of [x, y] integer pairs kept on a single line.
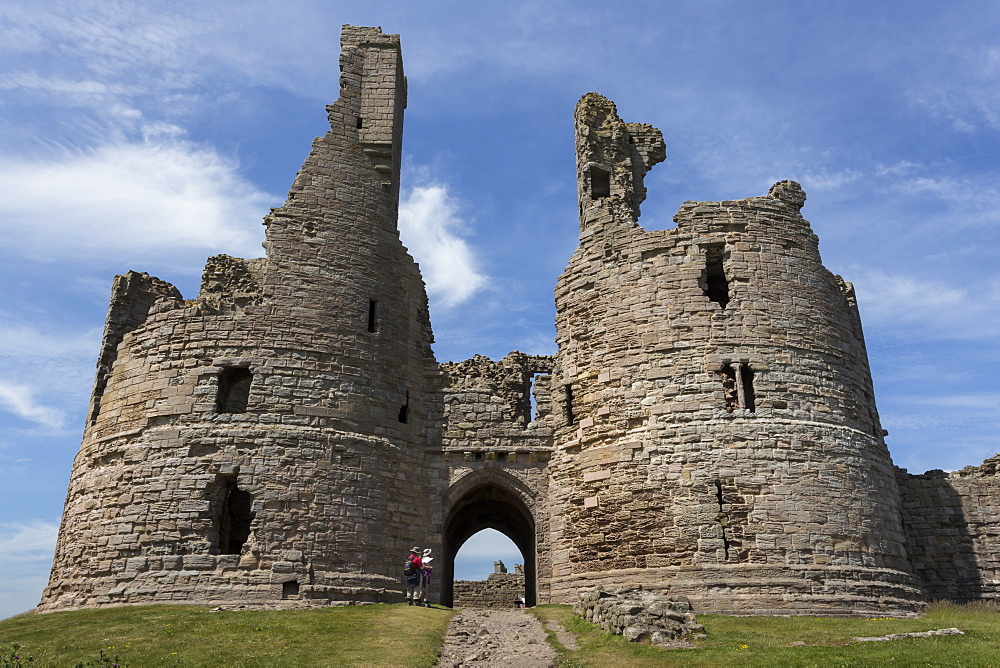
[[767, 641], [175, 635], [168, 635]]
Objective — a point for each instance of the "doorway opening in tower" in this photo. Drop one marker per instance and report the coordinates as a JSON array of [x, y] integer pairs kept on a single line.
[[489, 572], [714, 283], [489, 503], [233, 516]]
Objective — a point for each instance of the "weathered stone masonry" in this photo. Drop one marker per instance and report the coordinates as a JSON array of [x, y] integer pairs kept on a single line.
[[308, 484], [706, 429]]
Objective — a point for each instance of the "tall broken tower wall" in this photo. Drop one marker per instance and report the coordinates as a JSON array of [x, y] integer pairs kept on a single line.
[[265, 440], [719, 437]]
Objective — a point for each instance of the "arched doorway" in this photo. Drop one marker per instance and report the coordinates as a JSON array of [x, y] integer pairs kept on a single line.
[[491, 500]]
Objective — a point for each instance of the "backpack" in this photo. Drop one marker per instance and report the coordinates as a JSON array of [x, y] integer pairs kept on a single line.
[[409, 568]]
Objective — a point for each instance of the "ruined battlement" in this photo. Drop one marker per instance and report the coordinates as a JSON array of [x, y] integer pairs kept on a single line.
[[612, 159]]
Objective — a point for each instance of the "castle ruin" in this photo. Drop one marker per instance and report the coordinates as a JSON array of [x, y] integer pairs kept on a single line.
[[706, 429]]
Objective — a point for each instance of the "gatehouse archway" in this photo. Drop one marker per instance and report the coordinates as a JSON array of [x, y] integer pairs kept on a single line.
[[488, 500]]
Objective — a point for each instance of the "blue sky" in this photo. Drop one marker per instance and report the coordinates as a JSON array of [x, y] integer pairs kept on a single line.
[[150, 135]]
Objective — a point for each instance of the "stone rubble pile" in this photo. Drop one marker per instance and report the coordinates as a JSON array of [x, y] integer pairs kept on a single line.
[[917, 634], [637, 614]]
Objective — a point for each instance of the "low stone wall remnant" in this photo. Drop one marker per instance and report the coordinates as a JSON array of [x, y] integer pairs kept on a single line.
[[499, 590], [637, 614]]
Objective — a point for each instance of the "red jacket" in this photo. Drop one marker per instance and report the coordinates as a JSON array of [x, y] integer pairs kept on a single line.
[[416, 561]]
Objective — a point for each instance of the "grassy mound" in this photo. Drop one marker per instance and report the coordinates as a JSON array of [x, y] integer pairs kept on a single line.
[[798, 641], [182, 635]]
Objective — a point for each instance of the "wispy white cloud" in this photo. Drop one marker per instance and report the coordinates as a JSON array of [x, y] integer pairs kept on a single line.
[[21, 341], [926, 308], [968, 97], [829, 180], [125, 198], [45, 374], [21, 401], [430, 225], [977, 402], [22, 542]]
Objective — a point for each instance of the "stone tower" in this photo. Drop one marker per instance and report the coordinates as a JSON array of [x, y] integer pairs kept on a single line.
[[706, 428], [718, 436], [263, 441]]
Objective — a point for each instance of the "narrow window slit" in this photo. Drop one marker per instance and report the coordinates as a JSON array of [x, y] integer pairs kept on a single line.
[[570, 417], [722, 519], [372, 304], [234, 390], [714, 282], [360, 123], [529, 406], [404, 410], [600, 183], [746, 380]]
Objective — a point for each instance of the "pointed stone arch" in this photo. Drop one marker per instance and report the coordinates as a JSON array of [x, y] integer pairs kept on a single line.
[[489, 499]]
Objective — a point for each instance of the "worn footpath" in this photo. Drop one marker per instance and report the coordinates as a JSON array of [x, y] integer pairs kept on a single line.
[[481, 637]]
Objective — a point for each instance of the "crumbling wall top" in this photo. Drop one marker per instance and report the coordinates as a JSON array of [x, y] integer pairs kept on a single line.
[[612, 158], [509, 378]]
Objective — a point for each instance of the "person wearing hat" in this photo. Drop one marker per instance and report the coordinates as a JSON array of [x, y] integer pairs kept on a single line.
[[412, 571], [425, 577]]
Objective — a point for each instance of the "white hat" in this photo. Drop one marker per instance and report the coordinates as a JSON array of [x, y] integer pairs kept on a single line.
[[427, 551]]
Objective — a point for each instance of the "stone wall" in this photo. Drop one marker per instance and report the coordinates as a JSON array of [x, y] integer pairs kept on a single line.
[[953, 533], [495, 459], [637, 614], [266, 440], [718, 437], [499, 590]]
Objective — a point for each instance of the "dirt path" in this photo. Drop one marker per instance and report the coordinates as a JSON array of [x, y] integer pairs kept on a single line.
[[479, 637]]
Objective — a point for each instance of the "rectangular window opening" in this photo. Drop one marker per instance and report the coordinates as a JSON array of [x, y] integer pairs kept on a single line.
[[713, 277], [501, 456], [234, 390], [737, 387], [730, 393], [746, 379], [360, 123], [372, 322], [478, 456], [289, 589], [600, 183], [529, 406], [404, 410]]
